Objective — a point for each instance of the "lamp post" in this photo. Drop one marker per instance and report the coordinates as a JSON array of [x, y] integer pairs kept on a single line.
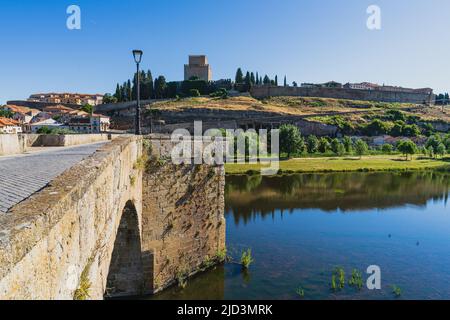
[[137, 54]]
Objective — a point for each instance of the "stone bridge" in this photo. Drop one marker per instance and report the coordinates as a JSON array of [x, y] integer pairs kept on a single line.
[[123, 221]]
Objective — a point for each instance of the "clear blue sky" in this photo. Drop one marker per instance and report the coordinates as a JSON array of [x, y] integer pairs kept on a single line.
[[308, 40]]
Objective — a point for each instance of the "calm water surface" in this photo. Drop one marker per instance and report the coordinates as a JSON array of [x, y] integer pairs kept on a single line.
[[300, 227]]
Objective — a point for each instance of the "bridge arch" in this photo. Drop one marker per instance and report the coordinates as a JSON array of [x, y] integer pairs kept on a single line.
[[125, 277]]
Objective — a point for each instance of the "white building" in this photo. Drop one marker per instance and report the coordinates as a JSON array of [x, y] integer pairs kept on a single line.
[[49, 123]]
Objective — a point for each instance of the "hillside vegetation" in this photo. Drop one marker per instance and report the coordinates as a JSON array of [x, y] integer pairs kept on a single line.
[[320, 109]]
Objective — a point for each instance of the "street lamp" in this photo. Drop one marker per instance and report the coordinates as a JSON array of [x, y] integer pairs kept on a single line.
[[137, 54]]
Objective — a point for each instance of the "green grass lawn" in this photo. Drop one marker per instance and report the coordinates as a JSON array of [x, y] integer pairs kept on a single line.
[[341, 164]]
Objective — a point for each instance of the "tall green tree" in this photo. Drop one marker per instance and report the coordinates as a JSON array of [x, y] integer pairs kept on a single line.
[[291, 140], [118, 94], [285, 81], [407, 147], [361, 148], [276, 80], [239, 76], [324, 145], [160, 87], [252, 78], [312, 144]]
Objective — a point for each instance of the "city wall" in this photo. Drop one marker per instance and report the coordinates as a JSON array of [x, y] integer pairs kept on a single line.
[[342, 93]]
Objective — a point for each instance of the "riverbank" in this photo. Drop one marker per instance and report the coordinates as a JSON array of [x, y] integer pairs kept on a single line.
[[344, 164]]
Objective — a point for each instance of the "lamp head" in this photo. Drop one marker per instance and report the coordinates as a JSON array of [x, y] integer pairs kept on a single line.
[[137, 54]]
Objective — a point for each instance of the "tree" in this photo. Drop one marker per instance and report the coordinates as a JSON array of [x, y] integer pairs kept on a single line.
[[129, 90], [348, 144], [324, 145], [160, 87], [441, 149], [248, 81], [108, 98], [257, 79], [290, 139], [6, 113], [118, 93], [407, 147], [266, 80], [239, 76], [446, 142], [252, 78], [312, 144], [87, 108], [337, 147], [433, 142], [276, 80], [387, 148], [294, 84], [361, 148], [285, 81]]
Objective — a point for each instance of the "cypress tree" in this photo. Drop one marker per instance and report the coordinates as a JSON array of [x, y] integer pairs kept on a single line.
[[285, 81], [117, 94], [276, 80], [239, 76], [252, 78]]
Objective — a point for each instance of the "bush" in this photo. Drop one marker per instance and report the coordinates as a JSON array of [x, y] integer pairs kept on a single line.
[[376, 128], [194, 93]]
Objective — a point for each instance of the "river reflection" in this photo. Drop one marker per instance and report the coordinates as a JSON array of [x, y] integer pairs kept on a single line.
[[300, 227]]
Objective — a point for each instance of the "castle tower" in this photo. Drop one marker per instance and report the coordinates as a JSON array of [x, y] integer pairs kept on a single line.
[[198, 67]]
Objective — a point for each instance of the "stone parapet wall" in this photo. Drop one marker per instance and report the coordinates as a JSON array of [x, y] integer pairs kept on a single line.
[[12, 144], [47, 241]]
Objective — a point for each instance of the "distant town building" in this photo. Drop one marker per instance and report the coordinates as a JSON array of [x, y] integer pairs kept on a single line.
[[198, 67], [95, 124], [21, 114], [69, 98], [10, 126], [330, 84], [361, 86], [49, 123]]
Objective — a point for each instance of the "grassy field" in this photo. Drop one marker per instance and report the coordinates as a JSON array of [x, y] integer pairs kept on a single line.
[[341, 164]]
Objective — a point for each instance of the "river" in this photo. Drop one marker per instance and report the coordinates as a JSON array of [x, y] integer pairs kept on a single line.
[[300, 228]]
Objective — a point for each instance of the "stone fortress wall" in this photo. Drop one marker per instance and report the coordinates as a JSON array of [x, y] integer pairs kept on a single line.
[[260, 92]]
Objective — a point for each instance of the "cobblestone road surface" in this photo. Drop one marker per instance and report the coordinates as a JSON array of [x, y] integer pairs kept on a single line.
[[25, 174]]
